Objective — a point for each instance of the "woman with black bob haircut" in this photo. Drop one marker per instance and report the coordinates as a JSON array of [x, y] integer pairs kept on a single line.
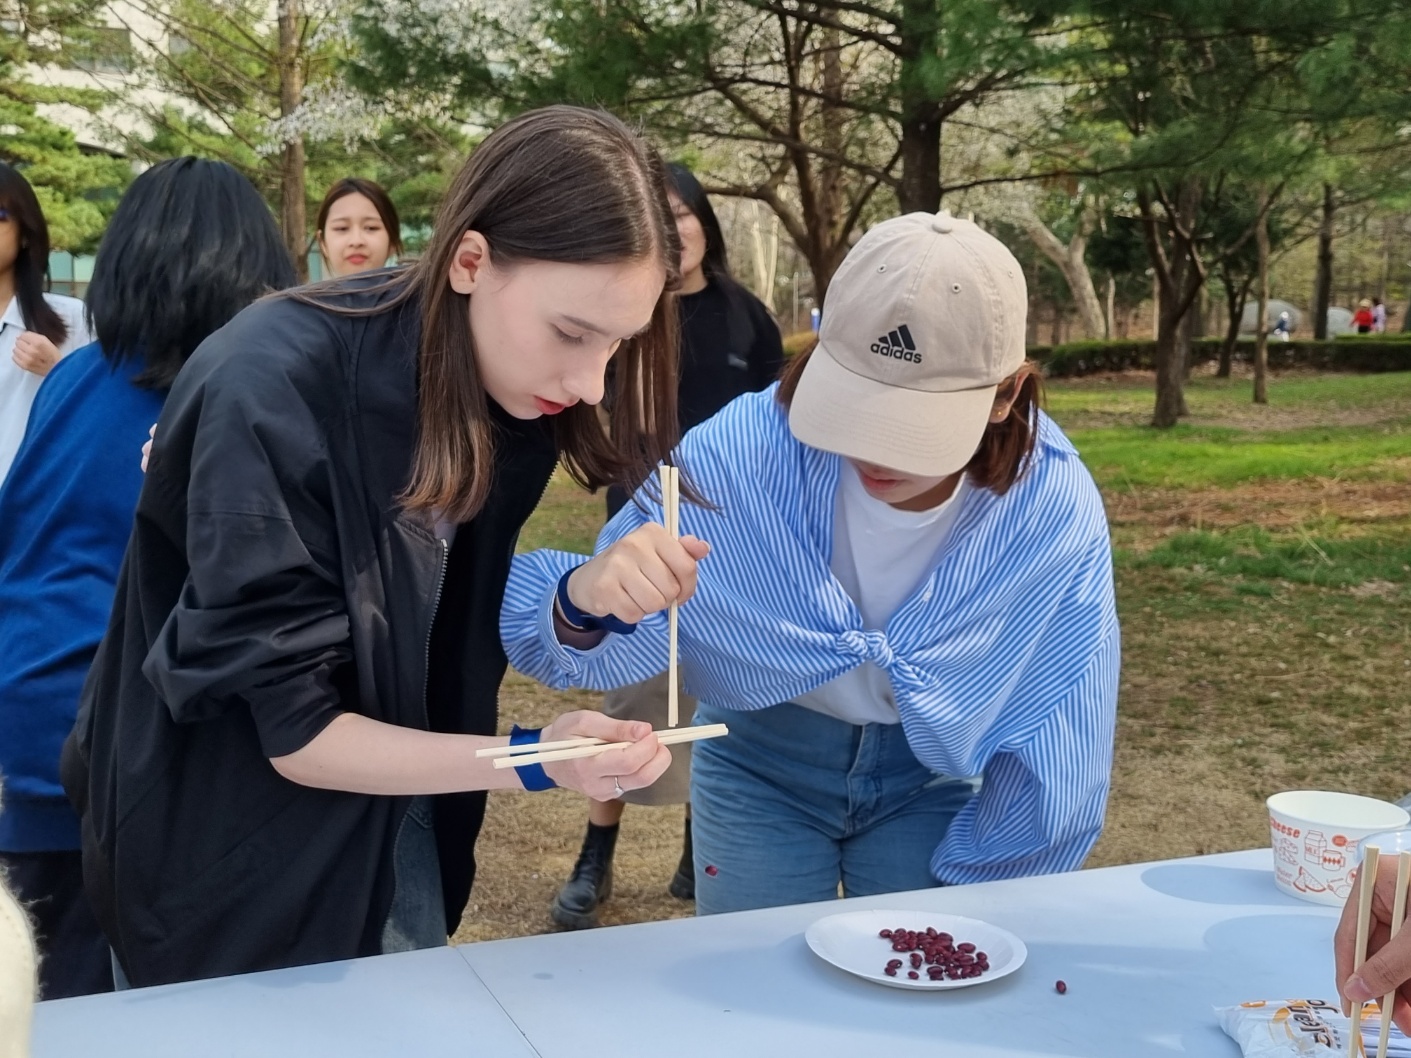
[[190, 245], [275, 756], [37, 328]]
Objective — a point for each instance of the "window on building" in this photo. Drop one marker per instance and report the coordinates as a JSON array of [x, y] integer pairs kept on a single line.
[[99, 49]]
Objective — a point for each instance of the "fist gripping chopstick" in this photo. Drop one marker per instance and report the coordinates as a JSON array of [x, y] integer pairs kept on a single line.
[[572, 748]]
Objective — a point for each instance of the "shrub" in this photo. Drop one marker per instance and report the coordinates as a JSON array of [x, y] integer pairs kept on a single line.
[[1369, 353], [797, 342]]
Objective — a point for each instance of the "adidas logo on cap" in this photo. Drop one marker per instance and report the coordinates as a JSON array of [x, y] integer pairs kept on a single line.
[[897, 344]]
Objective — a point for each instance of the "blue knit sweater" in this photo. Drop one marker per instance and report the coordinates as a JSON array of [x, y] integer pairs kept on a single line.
[[65, 515]]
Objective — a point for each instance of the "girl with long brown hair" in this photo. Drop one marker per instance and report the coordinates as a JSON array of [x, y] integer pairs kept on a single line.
[[275, 755]]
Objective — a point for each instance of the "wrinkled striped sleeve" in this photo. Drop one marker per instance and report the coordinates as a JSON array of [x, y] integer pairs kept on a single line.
[[1042, 803]]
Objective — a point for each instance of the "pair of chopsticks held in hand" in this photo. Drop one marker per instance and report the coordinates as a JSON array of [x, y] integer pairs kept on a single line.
[[1366, 884], [571, 748]]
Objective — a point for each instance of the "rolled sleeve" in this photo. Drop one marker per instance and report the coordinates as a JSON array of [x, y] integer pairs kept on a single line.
[[262, 619]]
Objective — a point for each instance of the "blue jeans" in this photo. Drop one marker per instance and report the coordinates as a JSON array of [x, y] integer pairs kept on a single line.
[[794, 802]]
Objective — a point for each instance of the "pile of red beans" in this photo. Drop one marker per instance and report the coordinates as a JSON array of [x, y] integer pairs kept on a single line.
[[942, 958]]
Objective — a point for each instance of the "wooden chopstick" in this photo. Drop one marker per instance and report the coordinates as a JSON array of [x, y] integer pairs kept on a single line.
[[1366, 881], [1398, 915], [671, 499], [538, 747], [666, 738]]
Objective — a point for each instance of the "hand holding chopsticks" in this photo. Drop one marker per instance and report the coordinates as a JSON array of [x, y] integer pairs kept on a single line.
[[1373, 954], [647, 571], [573, 749]]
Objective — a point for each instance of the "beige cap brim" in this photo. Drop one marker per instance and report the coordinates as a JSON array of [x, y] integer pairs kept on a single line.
[[926, 434]]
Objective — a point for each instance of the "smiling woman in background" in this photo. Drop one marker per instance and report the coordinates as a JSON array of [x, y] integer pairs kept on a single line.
[[358, 229]]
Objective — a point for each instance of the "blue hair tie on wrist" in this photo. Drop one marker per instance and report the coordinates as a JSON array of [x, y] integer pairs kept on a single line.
[[586, 622], [532, 776]]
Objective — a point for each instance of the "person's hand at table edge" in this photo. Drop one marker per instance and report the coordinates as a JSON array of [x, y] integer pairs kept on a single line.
[[1388, 965]]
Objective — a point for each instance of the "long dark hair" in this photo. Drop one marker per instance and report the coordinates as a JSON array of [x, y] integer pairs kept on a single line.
[[739, 320], [190, 245], [715, 264], [32, 263], [373, 192], [564, 184]]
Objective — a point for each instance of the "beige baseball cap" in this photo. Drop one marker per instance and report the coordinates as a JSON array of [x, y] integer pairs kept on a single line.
[[925, 317]]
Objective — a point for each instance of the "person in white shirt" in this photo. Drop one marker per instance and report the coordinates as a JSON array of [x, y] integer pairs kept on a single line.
[[37, 329], [906, 617]]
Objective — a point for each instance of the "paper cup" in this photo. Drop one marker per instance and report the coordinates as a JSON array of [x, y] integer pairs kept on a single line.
[[1317, 835]]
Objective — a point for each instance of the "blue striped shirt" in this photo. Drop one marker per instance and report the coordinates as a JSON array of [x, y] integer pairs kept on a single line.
[[1003, 662]]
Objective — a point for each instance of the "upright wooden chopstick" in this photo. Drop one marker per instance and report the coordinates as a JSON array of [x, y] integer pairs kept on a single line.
[[666, 738], [671, 513], [1366, 882], [1398, 915]]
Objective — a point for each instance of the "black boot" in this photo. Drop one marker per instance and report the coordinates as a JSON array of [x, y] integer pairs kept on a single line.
[[576, 904], [683, 886]]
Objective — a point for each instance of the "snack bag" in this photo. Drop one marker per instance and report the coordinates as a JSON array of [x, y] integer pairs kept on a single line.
[[1303, 1028]]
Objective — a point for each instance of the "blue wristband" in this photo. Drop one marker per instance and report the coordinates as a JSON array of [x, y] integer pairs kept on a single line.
[[586, 622], [532, 776]]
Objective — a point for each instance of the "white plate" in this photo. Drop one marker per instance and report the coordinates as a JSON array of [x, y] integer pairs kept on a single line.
[[850, 942]]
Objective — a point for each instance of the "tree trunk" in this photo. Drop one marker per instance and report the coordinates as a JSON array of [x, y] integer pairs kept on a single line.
[[1170, 373], [1261, 318], [1111, 331], [1323, 284], [1183, 352], [821, 182], [293, 221], [920, 187], [1235, 298], [1071, 261], [1177, 278]]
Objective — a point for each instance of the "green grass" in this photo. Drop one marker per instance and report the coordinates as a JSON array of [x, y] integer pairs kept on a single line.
[[1073, 398], [1189, 456], [1297, 557], [1333, 426]]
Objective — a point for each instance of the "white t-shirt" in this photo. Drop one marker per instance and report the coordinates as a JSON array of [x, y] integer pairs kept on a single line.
[[18, 386], [880, 556]]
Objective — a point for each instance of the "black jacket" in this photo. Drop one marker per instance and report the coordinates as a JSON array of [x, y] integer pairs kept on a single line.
[[271, 582]]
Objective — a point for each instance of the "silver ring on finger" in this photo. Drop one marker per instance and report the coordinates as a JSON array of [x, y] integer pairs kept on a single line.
[[617, 790]]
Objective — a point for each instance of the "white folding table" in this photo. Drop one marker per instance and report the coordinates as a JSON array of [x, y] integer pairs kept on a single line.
[[1146, 950]]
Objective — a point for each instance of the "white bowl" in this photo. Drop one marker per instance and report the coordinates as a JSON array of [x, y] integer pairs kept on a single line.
[[1316, 837]]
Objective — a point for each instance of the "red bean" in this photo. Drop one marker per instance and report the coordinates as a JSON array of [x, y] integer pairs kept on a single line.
[[712, 869], [943, 958], [1061, 988]]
